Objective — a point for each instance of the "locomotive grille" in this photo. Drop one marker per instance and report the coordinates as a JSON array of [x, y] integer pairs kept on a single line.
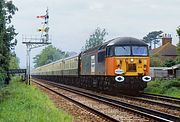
[[131, 67]]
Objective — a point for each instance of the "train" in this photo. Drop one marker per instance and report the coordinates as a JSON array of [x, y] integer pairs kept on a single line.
[[119, 65]]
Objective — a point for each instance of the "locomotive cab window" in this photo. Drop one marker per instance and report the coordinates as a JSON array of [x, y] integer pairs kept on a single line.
[[122, 50], [139, 50], [110, 51], [101, 56]]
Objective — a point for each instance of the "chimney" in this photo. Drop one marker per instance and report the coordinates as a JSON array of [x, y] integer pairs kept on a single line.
[[166, 39]]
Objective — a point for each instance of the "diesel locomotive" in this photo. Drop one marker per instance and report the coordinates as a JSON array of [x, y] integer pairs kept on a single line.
[[118, 65]]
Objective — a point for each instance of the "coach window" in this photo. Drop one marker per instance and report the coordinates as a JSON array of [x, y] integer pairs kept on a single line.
[[101, 56]]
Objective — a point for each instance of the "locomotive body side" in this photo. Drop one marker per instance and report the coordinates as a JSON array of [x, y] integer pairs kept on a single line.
[[93, 61]]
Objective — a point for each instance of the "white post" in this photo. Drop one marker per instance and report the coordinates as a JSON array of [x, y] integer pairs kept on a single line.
[[27, 64], [29, 67]]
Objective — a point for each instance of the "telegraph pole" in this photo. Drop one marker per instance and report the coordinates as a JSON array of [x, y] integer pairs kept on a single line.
[[33, 42]]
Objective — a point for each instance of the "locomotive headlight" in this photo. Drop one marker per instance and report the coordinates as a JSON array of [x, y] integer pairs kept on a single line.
[[132, 60]]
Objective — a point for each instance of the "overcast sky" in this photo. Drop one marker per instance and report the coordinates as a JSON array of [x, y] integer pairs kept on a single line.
[[71, 22]]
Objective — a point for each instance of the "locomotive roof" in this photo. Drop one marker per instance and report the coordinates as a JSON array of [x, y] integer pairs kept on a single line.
[[124, 41], [127, 41]]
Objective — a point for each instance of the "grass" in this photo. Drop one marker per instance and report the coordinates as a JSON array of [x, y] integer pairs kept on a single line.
[[23, 103], [164, 87]]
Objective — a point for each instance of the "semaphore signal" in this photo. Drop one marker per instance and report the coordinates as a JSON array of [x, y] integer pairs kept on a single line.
[[32, 43], [45, 28], [41, 16]]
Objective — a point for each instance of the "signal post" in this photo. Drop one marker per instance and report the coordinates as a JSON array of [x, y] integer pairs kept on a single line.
[[33, 42]]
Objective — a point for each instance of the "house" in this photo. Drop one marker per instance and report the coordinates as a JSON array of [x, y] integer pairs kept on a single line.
[[167, 50]]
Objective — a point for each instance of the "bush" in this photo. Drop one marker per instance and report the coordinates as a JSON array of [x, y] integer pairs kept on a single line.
[[2, 79], [166, 87]]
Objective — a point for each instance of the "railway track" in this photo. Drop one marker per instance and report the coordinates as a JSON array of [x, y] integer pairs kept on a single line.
[[93, 106], [159, 105], [171, 100], [144, 112]]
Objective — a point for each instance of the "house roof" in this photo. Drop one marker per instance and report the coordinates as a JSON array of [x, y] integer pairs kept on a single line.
[[165, 50]]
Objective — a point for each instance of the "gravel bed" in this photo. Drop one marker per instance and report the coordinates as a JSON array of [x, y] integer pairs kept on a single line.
[[79, 114]]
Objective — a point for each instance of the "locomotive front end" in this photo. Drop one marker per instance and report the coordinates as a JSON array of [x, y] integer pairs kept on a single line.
[[127, 59]]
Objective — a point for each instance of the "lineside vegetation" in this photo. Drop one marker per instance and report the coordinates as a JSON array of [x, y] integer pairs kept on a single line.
[[22, 103], [7, 37], [164, 87]]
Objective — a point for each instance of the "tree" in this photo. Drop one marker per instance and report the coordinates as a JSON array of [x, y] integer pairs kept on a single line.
[[178, 51], [178, 45], [48, 55], [95, 39], [7, 34], [152, 38], [14, 61], [178, 31]]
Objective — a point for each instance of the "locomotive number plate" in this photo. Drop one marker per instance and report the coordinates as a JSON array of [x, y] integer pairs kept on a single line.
[[119, 71]]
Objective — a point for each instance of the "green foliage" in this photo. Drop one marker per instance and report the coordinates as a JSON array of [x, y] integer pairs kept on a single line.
[[165, 87], [2, 77], [178, 53], [178, 31], [24, 103], [152, 38], [95, 39], [178, 45], [14, 62], [155, 61], [169, 63], [7, 34], [48, 55]]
